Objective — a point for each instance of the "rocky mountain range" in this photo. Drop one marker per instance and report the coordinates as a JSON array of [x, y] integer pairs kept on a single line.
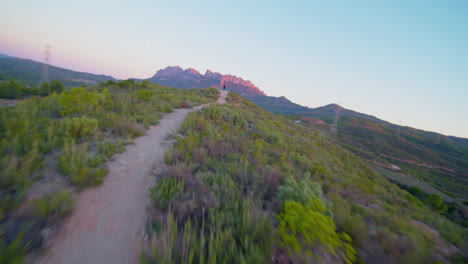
[[190, 78]]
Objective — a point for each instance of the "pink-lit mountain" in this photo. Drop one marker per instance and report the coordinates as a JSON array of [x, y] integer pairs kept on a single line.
[[191, 78]]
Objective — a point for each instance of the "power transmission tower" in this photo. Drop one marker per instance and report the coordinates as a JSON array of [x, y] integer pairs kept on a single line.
[[397, 132], [438, 140], [45, 66], [334, 126]]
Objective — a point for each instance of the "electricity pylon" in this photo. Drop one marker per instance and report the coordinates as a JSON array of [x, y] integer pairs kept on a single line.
[[45, 66]]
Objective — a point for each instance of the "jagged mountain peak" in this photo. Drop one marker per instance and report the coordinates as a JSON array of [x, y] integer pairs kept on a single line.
[[190, 78], [192, 70]]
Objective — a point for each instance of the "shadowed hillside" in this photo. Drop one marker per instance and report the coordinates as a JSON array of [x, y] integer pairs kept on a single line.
[[29, 72]]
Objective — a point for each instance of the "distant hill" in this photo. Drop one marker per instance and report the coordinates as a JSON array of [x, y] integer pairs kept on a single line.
[[438, 159], [3, 56], [29, 72]]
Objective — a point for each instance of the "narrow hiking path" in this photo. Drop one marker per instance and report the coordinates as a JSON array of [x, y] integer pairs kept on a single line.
[[107, 225]]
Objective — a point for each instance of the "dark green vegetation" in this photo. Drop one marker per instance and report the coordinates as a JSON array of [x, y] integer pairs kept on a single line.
[[69, 136], [247, 186], [15, 90], [28, 73]]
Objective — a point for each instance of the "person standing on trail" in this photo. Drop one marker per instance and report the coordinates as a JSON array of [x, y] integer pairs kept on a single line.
[[224, 87]]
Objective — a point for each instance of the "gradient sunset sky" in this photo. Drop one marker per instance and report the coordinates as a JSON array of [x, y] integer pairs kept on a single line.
[[402, 61]]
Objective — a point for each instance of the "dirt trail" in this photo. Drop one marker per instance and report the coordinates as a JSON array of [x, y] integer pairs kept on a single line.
[[107, 225]]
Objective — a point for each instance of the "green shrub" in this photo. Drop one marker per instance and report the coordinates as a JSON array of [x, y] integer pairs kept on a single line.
[[126, 84], [436, 203], [166, 97], [82, 126], [121, 125], [75, 164], [57, 86], [273, 138], [15, 252], [144, 95], [165, 191], [305, 228], [211, 92], [302, 191], [79, 101], [17, 170], [44, 89], [57, 204], [108, 149], [238, 121], [213, 112], [237, 235], [10, 90]]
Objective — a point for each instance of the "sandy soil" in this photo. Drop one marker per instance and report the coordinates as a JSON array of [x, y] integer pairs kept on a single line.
[[107, 225]]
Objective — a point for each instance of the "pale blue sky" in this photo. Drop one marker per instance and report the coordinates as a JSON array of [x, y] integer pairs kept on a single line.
[[396, 60]]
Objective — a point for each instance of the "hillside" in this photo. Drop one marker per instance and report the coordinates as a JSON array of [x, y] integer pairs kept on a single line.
[[437, 159], [444, 165], [29, 72], [245, 185], [279, 105]]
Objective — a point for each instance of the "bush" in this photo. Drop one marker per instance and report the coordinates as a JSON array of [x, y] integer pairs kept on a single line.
[[10, 90], [242, 235], [15, 252], [186, 104], [127, 84], [44, 89], [75, 164], [305, 229], [121, 125], [302, 191], [211, 92], [57, 204], [144, 95], [108, 149], [239, 121], [213, 112], [436, 203], [79, 101], [16, 170], [165, 191], [57, 87], [78, 127]]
